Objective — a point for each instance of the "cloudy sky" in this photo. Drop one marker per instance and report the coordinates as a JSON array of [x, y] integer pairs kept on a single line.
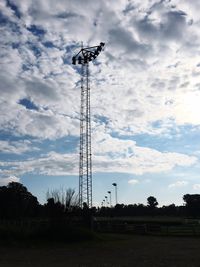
[[145, 96]]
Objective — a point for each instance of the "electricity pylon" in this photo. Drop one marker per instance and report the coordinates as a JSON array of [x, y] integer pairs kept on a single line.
[[84, 56]]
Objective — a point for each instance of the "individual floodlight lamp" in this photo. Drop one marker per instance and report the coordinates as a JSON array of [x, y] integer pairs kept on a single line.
[[74, 60]]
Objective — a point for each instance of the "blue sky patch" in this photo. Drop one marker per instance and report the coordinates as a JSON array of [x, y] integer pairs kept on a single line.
[[14, 8], [36, 50], [3, 19], [49, 44], [37, 31], [28, 104]]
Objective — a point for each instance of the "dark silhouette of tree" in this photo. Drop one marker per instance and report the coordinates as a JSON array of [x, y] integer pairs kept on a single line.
[[192, 204], [16, 201], [3, 202], [140, 209], [54, 209], [152, 202], [66, 197], [170, 210]]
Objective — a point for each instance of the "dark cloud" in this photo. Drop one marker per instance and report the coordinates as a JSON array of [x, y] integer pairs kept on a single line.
[[174, 65], [158, 5], [135, 113], [138, 64], [174, 24], [124, 40], [184, 85], [8, 85], [128, 8], [173, 83], [41, 90], [171, 26], [147, 28], [158, 84], [67, 15]]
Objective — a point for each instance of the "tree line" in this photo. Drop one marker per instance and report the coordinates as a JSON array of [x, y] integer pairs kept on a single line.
[[17, 202]]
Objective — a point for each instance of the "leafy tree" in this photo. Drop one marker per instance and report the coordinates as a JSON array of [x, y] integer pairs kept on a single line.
[[54, 209], [16, 201], [169, 210], [192, 204], [152, 202]]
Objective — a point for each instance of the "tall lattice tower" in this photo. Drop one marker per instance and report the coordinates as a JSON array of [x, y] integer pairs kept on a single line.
[[84, 56]]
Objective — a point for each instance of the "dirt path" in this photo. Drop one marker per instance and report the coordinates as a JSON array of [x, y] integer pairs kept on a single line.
[[119, 251]]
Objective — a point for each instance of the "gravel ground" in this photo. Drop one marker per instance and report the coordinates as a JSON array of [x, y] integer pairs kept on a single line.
[[111, 251]]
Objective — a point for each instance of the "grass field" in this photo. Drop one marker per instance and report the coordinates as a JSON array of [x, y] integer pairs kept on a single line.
[[106, 251], [165, 226]]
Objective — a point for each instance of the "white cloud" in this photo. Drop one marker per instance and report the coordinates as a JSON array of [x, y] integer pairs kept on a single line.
[[113, 154], [128, 158], [7, 180], [51, 164], [147, 81], [138, 36], [16, 147], [178, 184], [196, 186], [133, 182]]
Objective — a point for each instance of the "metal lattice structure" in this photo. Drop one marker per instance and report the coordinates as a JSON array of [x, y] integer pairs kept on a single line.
[[84, 56]]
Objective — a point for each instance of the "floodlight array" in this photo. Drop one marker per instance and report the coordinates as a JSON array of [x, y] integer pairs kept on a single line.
[[88, 54]]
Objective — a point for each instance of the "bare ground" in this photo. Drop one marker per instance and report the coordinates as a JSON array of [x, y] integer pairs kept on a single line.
[[112, 250]]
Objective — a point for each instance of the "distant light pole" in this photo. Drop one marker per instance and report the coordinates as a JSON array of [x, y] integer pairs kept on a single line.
[[106, 200], [109, 192], [115, 185]]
